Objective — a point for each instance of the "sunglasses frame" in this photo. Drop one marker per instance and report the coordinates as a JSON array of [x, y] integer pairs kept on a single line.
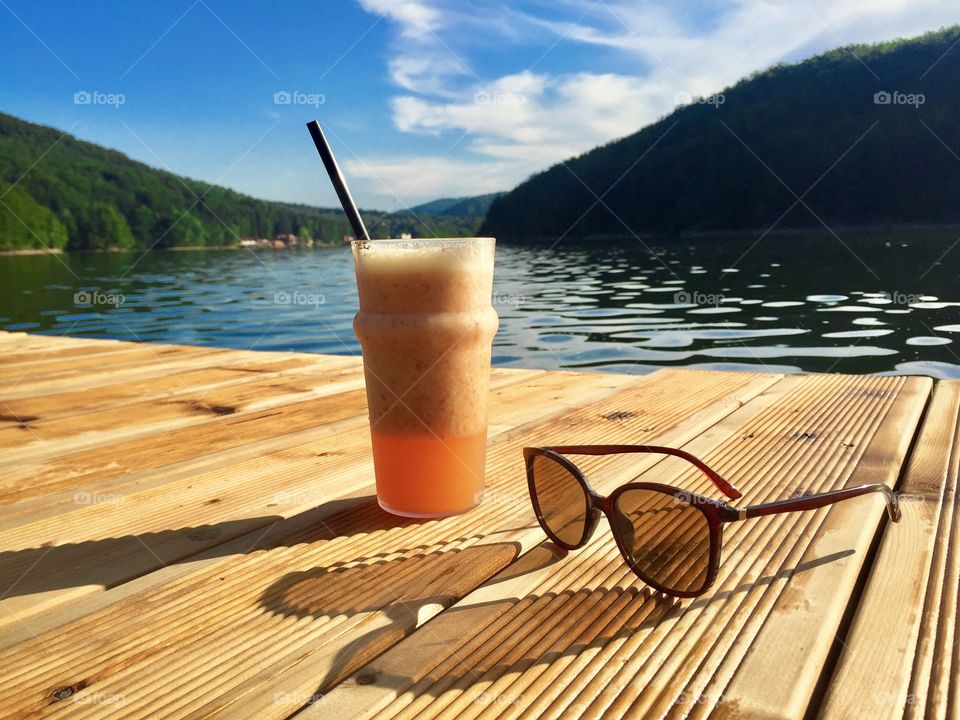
[[716, 512]]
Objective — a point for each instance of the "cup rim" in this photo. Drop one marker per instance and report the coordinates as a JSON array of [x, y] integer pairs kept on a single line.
[[424, 241]]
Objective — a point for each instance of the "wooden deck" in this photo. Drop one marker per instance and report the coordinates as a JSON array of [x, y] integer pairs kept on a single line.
[[192, 532]]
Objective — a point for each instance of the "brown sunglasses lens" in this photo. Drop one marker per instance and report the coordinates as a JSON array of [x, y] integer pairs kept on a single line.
[[561, 498], [667, 538]]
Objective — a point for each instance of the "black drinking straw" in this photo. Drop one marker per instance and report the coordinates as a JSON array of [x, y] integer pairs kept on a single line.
[[336, 177]]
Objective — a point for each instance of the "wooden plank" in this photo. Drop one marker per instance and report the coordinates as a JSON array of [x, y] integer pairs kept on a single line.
[[167, 622], [82, 378], [19, 342], [76, 470], [35, 436], [892, 661], [176, 360], [936, 676], [261, 431], [52, 353], [44, 367], [249, 367], [582, 637]]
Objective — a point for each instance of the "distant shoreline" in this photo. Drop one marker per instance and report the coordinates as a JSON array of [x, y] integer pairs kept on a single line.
[[691, 235], [178, 248], [885, 228], [32, 251]]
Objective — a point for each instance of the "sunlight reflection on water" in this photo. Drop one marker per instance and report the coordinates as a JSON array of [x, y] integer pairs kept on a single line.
[[610, 307]]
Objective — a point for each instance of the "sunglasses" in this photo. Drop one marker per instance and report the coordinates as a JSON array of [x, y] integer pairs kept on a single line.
[[669, 537]]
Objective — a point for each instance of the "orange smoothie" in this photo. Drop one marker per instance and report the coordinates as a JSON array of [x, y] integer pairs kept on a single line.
[[426, 325]]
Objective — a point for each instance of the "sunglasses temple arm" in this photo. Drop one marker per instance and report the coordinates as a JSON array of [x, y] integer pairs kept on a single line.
[[812, 502], [725, 486]]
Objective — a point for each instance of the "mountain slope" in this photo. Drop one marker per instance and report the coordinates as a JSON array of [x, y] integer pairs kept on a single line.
[[435, 207], [813, 130], [465, 207]]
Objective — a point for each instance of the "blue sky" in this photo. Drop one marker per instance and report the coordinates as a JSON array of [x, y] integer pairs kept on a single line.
[[420, 98]]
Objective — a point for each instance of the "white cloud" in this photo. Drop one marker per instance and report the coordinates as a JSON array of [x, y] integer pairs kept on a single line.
[[507, 126], [404, 181], [415, 19], [426, 74], [567, 113]]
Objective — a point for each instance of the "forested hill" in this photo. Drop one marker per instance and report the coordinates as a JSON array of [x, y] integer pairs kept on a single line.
[[476, 206], [66, 193], [864, 135]]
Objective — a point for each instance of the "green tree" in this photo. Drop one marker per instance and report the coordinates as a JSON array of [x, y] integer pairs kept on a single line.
[[184, 230], [108, 228], [24, 223], [142, 225]]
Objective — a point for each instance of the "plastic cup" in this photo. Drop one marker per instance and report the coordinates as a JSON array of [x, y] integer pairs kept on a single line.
[[426, 326]]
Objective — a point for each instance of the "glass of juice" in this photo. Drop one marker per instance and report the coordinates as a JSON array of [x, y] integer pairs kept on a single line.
[[426, 326]]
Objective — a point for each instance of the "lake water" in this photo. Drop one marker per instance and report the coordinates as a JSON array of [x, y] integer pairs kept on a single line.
[[880, 303]]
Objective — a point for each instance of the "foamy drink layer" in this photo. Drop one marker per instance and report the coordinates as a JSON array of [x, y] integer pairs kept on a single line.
[[426, 325]]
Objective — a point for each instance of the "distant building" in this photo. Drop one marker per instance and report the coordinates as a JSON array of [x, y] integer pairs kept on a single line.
[[405, 236]]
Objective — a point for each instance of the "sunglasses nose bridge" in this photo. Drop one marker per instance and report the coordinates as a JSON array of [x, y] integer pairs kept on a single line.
[[604, 505], [598, 506], [620, 526], [601, 503]]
